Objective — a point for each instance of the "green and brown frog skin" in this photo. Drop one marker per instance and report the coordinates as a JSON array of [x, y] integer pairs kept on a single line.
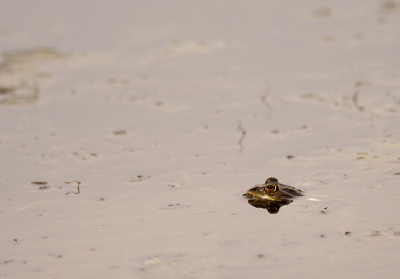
[[272, 195]]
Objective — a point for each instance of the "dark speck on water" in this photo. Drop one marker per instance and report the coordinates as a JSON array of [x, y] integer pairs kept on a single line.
[[39, 183], [139, 178], [120, 132]]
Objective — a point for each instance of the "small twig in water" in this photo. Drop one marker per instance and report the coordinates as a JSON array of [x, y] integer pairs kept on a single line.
[[355, 101], [264, 98], [243, 131], [139, 178], [76, 181]]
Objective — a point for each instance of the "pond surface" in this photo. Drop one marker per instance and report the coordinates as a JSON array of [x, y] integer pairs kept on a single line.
[[130, 131]]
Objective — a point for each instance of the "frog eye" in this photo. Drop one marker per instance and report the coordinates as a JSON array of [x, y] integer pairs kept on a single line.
[[271, 188]]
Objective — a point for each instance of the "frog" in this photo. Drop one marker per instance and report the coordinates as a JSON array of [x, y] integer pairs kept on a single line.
[[272, 195]]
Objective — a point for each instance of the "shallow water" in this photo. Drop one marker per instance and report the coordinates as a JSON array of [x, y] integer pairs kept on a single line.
[[167, 113]]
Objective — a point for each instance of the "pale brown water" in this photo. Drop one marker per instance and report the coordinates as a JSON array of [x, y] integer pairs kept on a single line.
[[167, 112]]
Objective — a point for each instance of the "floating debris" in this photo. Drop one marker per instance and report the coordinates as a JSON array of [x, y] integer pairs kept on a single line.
[[324, 211], [264, 99], [120, 132], [355, 101], [312, 96], [39, 183], [55, 256], [78, 190], [43, 184], [175, 206], [375, 232], [139, 178], [174, 185], [76, 154], [243, 131], [347, 233]]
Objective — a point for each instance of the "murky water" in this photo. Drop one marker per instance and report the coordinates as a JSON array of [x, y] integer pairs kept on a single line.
[[130, 131]]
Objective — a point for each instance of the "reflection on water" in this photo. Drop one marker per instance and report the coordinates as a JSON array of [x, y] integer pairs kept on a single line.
[[271, 206]]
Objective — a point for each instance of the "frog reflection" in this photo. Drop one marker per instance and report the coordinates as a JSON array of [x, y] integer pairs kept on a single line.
[[272, 195], [271, 206]]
